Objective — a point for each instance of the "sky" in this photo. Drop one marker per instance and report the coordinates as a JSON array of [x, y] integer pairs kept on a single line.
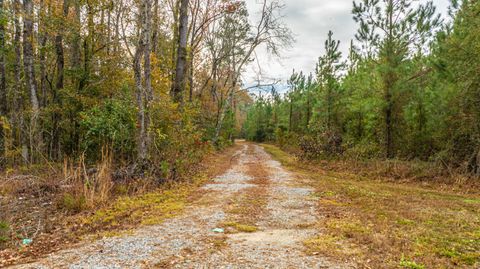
[[310, 21]]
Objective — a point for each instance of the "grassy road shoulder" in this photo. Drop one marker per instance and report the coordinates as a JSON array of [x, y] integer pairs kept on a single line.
[[124, 213], [388, 225]]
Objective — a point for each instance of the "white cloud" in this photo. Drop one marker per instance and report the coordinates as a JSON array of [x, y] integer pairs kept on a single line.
[[310, 21]]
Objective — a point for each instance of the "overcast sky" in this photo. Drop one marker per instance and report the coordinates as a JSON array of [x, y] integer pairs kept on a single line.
[[310, 21]]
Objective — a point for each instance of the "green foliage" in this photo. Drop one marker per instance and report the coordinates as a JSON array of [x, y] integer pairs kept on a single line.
[[4, 229], [110, 124], [408, 93], [260, 123], [72, 203], [178, 142], [410, 264]]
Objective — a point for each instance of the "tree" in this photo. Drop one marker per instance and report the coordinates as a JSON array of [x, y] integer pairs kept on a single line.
[[457, 81], [30, 78], [241, 43], [144, 93], [328, 71], [3, 84], [393, 27], [179, 85]]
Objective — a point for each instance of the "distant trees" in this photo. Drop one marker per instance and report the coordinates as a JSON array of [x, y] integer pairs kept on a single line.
[[233, 47], [456, 62]]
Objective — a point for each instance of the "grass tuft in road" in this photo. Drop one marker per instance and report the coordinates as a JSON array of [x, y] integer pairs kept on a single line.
[[246, 207], [388, 225]]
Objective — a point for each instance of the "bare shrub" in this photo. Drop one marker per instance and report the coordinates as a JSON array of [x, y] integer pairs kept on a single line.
[[87, 188], [328, 143]]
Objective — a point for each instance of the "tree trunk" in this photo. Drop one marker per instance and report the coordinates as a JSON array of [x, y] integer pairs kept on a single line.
[[175, 38], [388, 117], [192, 52], [224, 107], [389, 83], [42, 42], [19, 129], [29, 69], [137, 68], [59, 51], [155, 27], [144, 93], [109, 27], [59, 83], [180, 83], [147, 68], [76, 37], [3, 87]]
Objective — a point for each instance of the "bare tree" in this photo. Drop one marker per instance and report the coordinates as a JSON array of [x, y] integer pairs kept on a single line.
[[204, 14], [269, 31]]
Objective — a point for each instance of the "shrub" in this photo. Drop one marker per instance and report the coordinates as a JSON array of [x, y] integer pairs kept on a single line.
[[113, 124], [364, 150], [178, 144], [72, 203], [328, 143]]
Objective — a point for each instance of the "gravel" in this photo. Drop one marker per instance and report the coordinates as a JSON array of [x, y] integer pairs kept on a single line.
[[187, 241]]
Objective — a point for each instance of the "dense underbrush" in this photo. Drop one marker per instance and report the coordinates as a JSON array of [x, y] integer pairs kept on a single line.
[[330, 152]]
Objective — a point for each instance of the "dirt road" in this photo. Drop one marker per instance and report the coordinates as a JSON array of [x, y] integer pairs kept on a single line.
[[264, 212]]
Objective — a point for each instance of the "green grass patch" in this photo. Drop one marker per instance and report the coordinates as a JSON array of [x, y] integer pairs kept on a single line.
[[4, 229], [385, 222], [243, 228], [404, 263], [147, 209], [246, 228]]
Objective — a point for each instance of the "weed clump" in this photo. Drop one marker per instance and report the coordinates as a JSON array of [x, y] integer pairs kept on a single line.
[[4, 229]]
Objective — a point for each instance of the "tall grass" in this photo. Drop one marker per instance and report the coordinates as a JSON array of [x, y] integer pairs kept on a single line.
[[87, 188]]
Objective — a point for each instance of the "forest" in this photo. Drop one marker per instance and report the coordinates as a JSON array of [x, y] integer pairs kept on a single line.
[[407, 90], [132, 135], [96, 94]]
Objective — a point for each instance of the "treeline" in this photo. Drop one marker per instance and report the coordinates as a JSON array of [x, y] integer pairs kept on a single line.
[[152, 81], [409, 89]]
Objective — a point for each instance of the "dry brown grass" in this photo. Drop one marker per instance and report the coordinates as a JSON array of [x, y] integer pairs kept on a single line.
[[387, 225], [87, 189], [96, 206]]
